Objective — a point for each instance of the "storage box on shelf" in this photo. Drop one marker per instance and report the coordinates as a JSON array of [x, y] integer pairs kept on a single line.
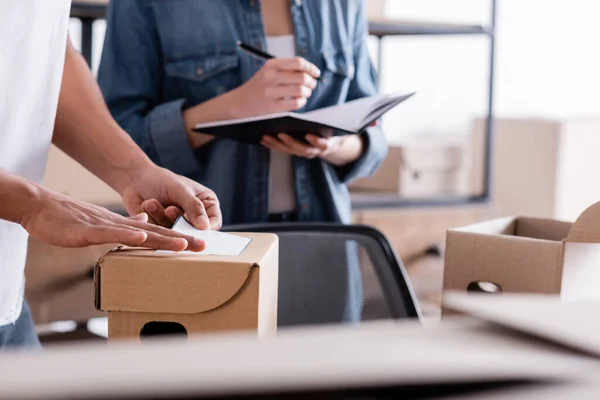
[[541, 168], [421, 170]]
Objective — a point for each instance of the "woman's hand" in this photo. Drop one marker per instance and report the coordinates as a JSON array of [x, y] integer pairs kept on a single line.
[[282, 84], [337, 150]]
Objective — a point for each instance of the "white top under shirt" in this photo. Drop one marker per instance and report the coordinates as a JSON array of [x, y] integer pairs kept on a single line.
[[33, 37], [282, 192]]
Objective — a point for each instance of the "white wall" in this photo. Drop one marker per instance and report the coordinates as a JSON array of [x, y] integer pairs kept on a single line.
[[547, 64]]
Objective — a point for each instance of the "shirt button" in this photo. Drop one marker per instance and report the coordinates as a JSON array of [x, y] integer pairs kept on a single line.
[[298, 3], [199, 71]]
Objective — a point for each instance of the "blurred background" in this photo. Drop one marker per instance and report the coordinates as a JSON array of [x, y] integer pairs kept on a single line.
[[506, 121]]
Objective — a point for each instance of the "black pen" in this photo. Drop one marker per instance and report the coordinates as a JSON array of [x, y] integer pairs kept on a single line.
[[258, 52], [254, 51]]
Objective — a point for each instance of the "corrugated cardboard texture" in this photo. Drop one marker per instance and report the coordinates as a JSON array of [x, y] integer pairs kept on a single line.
[[239, 313], [515, 263], [201, 292]]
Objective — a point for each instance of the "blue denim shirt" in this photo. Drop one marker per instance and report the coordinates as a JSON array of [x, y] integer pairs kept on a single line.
[[161, 56]]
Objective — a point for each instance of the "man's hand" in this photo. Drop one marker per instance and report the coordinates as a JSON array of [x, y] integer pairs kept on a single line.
[[165, 195], [61, 221], [337, 150]]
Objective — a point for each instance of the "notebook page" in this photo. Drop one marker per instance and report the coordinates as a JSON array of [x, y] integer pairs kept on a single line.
[[351, 114], [217, 243]]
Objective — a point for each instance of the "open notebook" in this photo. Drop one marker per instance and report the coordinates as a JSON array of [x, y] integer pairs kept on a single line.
[[348, 118]]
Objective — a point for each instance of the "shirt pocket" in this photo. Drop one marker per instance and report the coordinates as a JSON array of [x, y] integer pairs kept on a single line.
[[204, 76], [337, 72]]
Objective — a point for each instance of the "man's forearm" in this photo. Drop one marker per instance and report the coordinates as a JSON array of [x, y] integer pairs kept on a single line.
[[86, 131], [16, 196]]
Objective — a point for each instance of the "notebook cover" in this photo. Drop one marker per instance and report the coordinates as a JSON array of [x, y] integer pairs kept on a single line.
[[252, 131]]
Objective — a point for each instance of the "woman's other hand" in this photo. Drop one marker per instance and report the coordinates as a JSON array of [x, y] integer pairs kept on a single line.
[[337, 150]]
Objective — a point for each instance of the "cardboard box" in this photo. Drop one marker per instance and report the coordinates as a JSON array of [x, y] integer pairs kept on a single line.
[[67, 176], [148, 293], [464, 358], [541, 168], [60, 285], [420, 171], [527, 255]]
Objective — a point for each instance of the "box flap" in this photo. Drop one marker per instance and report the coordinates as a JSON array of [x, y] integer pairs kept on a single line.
[[545, 316], [141, 280], [587, 227]]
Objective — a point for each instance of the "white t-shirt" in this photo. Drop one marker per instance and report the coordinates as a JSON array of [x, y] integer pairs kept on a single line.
[[282, 192], [33, 37]]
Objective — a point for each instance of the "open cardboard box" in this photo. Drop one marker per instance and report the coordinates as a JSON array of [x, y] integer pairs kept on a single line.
[[150, 294], [527, 255]]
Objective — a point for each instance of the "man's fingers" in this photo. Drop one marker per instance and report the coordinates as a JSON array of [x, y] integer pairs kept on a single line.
[[142, 217], [161, 242], [196, 214], [113, 234], [172, 213], [157, 212], [193, 244]]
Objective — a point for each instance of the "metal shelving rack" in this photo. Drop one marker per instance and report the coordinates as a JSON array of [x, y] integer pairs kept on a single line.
[[89, 11]]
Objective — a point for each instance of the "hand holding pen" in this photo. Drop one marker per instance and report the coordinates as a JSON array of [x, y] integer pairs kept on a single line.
[[281, 84]]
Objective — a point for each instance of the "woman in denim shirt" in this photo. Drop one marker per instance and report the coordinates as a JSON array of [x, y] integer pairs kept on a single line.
[[169, 65]]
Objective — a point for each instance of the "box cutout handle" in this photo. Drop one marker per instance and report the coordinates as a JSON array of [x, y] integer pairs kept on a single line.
[[484, 287], [154, 328]]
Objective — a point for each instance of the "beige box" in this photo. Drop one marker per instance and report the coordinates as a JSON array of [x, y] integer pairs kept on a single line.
[[148, 293], [67, 176], [526, 255], [420, 171], [541, 168]]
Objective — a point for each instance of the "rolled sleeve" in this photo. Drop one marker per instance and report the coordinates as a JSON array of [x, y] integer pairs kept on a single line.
[[374, 151], [169, 139], [364, 84]]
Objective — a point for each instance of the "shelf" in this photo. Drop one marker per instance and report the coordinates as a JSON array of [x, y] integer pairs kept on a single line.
[[96, 9], [392, 27], [378, 200], [89, 9]]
